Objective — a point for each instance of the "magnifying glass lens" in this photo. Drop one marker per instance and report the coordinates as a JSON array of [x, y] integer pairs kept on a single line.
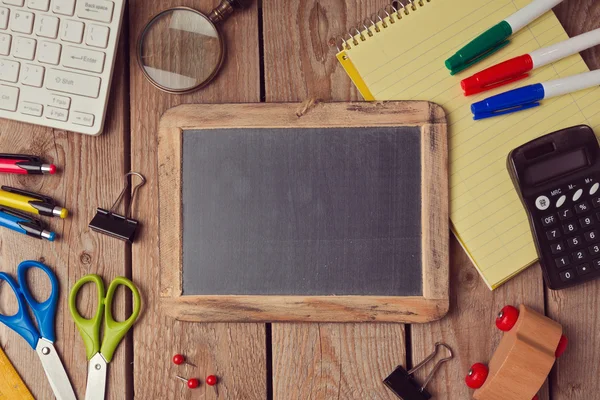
[[180, 50]]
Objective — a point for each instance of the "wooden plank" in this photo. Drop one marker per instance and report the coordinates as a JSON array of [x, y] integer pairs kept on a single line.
[[575, 376], [234, 352], [90, 175], [300, 65]]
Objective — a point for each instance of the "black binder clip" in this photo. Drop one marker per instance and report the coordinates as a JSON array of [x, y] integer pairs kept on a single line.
[[115, 225], [404, 385]]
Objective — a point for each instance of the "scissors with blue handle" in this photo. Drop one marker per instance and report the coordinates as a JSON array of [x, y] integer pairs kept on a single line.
[[42, 339], [100, 353]]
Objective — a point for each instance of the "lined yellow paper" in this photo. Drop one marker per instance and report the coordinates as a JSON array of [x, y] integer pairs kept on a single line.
[[405, 61]]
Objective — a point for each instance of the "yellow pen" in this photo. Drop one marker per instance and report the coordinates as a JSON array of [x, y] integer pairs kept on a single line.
[[30, 202]]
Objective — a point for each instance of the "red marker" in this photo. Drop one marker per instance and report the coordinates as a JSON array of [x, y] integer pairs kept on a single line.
[[517, 68], [24, 164]]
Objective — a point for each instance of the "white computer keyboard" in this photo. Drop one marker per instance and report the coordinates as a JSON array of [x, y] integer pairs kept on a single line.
[[56, 61]]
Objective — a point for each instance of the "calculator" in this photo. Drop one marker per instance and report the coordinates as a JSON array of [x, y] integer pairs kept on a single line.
[[557, 177]]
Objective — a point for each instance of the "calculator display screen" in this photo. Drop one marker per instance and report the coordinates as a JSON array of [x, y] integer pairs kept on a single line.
[[556, 166]]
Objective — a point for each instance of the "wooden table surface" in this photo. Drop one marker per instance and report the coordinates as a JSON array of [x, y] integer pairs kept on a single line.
[[277, 51]]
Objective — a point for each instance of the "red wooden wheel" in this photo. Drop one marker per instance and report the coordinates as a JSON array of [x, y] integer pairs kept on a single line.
[[477, 376], [562, 346], [507, 318]]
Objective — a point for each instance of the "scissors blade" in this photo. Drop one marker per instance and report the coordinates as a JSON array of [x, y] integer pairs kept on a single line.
[[96, 380], [55, 372]]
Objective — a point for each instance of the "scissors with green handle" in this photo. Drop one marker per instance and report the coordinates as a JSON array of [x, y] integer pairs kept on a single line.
[[100, 353]]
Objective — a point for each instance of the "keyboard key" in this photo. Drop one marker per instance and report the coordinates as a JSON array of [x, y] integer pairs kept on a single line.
[[80, 118], [22, 22], [591, 235], [582, 208], [47, 26], [96, 10], [8, 98], [24, 48], [56, 113], [585, 222], [4, 13], [548, 220], [18, 3], [86, 60], [59, 101], [97, 36], [583, 269], [49, 53], [562, 261], [596, 202], [9, 70], [596, 263], [579, 255], [574, 241], [594, 188], [557, 248], [63, 7], [41, 5], [595, 249], [5, 41], [567, 275], [29, 108], [569, 228], [565, 214], [72, 31], [553, 234], [577, 194], [32, 75], [69, 82]]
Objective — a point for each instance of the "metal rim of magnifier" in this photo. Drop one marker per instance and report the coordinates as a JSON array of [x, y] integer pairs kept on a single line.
[[208, 80]]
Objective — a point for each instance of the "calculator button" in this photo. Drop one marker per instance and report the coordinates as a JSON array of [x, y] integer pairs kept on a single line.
[[591, 235], [567, 275], [542, 203], [579, 255], [577, 194], [582, 207], [561, 201], [549, 220], [569, 228], [553, 234], [583, 269], [594, 188], [595, 249], [596, 263], [562, 261], [596, 202], [565, 214], [585, 222], [557, 248], [574, 241]]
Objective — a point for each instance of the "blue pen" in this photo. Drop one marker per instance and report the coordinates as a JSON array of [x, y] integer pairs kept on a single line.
[[24, 224], [530, 96]]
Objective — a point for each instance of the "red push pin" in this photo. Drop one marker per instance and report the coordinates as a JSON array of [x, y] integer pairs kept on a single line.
[[179, 359], [192, 383], [212, 380]]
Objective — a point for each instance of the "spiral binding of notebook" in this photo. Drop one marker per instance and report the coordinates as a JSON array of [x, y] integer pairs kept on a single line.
[[384, 18]]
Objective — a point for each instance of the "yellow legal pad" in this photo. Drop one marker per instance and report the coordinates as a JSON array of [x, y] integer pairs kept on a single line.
[[405, 61]]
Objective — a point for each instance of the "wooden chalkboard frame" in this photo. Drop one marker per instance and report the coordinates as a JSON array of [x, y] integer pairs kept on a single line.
[[434, 302]]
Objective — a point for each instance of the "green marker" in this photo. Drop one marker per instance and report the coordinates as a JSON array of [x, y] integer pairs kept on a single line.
[[497, 36]]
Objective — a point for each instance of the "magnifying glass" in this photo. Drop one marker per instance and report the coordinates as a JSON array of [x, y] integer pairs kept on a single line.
[[181, 50]]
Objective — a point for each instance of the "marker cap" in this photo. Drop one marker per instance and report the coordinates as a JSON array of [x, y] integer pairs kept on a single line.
[[498, 75]]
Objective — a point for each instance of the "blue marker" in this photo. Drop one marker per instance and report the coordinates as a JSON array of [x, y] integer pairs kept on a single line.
[[530, 96], [24, 224]]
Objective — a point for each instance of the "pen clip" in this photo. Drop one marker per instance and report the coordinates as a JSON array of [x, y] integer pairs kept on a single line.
[[494, 85], [26, 217], [505, 111], [480, 57], [40, 197], [20, 157]]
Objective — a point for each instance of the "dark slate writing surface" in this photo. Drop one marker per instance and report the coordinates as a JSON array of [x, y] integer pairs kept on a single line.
[[333, 211]]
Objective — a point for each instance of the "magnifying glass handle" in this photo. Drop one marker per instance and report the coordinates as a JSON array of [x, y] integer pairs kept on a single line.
[[225, 9]]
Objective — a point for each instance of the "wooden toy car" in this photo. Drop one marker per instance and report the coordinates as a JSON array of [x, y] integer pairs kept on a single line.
[[523, 359]]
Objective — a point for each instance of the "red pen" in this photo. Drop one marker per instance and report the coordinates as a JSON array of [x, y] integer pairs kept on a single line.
[[24, 164], [517, 68]]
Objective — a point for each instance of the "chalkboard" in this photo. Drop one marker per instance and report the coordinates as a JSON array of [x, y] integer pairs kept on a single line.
[[283, 221]]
